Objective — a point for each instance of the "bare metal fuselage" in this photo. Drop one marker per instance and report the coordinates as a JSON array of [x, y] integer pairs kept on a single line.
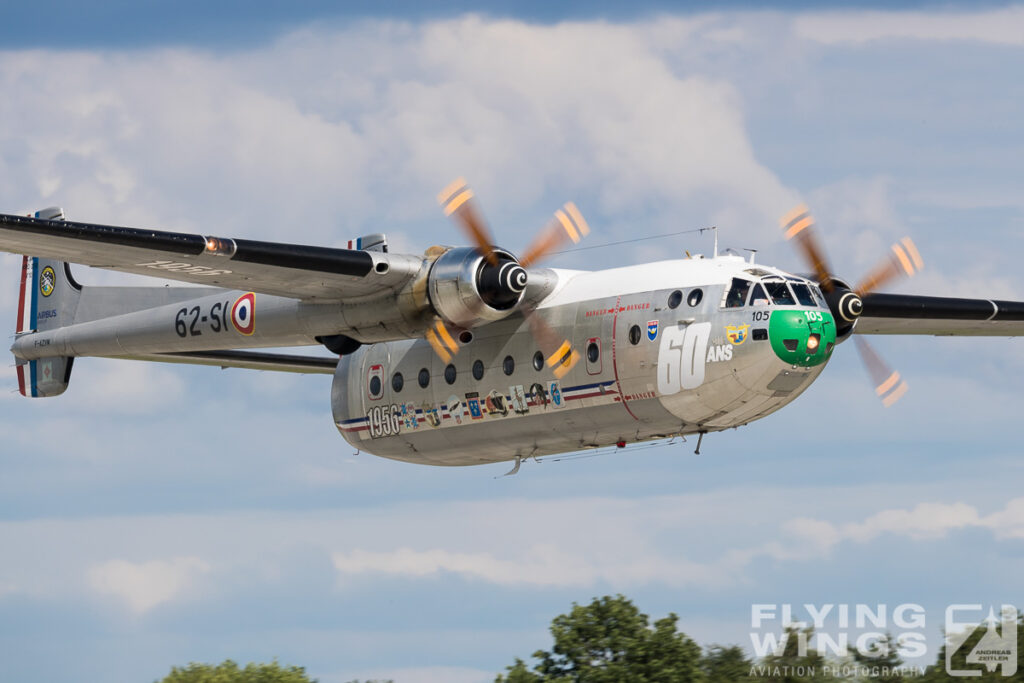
[[690, 369]]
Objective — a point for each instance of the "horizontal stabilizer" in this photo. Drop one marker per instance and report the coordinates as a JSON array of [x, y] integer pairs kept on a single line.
[[249, 360]]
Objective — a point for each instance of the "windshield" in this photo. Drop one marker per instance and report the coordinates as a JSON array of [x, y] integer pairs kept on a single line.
[[758, 297], [803, 294], [737, 295], [780, 293]]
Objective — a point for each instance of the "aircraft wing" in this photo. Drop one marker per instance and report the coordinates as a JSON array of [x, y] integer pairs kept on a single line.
[[911, 314], [290, 270]]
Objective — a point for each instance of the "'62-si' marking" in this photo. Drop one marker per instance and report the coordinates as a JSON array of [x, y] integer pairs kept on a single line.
[[384, 420], [190, 322], [186, 268]]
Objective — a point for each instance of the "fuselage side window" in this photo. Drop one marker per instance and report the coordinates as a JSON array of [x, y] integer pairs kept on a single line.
[[780, 293], [803, 294], [737, 295], [758, 297]]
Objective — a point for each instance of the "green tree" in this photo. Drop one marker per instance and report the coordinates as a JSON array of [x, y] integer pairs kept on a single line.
[[726, 665], [229, 672], [797, 662], [611, 641], [881, 663]]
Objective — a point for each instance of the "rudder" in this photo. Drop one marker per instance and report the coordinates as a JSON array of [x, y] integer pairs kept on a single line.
[[48, 300]]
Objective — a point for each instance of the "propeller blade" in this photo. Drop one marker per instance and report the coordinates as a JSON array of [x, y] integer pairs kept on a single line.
[[904, 260], [889, 385], [457, 201], [442, 342], [558, 351], [798, 225], [568, 224]]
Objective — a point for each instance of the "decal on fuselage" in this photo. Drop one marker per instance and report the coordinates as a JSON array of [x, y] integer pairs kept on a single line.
[[394, 419], [719, 352], [473, 404], [681, 357], [243, 314], [652, 330], [385, 420], [47, 281], [517, 397], [454, 411], [736, 334]]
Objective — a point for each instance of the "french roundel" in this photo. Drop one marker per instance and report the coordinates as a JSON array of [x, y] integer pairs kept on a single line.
[[243, 314]]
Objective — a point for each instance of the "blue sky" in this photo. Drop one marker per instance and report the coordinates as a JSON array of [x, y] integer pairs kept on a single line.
[[156, 515]]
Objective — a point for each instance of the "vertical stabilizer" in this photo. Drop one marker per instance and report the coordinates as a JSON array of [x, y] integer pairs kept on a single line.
[[48, 300]]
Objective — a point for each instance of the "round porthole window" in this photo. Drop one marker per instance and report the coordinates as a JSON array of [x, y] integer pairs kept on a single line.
[[634, 335], [397, 382], [375, 386], [538, 361], [424, 378], [449, 374], [478, 369], [508, 365], [593, 352], [695, 297], [674, 299]]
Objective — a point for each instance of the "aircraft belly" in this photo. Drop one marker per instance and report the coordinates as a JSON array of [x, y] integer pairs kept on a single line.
[[502, 439]]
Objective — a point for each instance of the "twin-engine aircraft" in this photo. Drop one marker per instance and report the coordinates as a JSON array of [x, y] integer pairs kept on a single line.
[[468, 355]]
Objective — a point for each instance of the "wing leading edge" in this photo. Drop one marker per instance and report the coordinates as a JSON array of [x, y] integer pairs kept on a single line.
[[290, 270]]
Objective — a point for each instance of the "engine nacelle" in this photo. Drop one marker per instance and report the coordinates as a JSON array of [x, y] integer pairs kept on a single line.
[[846, 306], [466, 290]]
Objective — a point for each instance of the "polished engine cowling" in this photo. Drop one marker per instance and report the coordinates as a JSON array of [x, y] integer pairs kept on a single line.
[[467, 289]]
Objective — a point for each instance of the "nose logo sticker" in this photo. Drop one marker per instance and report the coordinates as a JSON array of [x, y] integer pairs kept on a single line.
[[652, 330], [736, 334], [243, 314]]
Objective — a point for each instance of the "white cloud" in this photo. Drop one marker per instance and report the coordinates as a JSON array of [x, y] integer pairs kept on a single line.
[[923, 521], [119, 387], [303, 136], [797, 540], [144, 585], [1003, 26], [540, 566]]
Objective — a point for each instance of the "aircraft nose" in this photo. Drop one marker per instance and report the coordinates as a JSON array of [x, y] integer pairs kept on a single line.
[[805, 338]]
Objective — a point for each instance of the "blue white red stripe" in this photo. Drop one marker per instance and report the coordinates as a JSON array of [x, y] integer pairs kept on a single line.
[[358, 424], [27, 309]]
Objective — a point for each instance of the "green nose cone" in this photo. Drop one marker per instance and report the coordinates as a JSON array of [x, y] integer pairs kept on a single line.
[[804, 338]]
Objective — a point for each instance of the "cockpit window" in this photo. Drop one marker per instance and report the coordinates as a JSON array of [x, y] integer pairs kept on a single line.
[[816, 291], [803, 294], [780, 293], [737, 295], [758, 297]]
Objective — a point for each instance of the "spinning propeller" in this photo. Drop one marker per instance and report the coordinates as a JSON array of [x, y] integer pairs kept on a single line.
[[501, 279], [847, 302]]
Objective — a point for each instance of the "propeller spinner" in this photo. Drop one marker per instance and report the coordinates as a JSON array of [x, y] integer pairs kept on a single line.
[[846, 303]]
